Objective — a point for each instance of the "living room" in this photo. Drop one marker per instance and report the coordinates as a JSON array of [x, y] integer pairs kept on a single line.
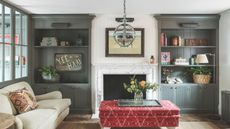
[[70, 61]]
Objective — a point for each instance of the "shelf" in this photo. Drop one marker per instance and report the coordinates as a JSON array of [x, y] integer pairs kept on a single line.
[[188, 46], [80, 84], [187, 84], [61, 46], [187, 65]]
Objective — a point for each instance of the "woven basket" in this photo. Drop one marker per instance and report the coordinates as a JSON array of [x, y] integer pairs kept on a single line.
[[201, 79]]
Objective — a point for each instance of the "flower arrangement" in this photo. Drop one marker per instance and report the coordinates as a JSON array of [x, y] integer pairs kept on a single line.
[[136, 87]]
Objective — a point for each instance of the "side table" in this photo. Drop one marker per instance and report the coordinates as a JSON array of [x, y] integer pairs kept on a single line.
[[7, 121]]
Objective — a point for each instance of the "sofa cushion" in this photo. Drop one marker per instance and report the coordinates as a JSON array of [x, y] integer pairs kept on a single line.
[[58, 104], [4, 99], [22, 100], [19, 85], [5, 105], [38, 118]]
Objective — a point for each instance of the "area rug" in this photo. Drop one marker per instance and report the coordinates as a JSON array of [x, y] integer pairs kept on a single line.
[[186, 122]]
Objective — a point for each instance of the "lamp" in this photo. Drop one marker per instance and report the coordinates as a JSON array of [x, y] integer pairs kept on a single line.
[[124, 34], [201, 58]]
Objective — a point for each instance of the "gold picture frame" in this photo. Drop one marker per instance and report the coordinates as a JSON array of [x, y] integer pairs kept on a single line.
[[114, 50]]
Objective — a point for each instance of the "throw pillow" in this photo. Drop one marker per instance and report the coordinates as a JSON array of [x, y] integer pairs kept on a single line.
[[23, 100]]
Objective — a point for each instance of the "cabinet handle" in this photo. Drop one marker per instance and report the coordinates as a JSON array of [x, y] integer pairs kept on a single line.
[[189, 25]]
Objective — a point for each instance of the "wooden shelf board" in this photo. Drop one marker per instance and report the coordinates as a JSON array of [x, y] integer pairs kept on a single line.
[[61, 46], [185, 84], [188, 46], [61, 83], [187, 65]]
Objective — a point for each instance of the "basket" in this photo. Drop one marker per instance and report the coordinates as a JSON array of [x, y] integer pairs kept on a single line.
[[201, 79]]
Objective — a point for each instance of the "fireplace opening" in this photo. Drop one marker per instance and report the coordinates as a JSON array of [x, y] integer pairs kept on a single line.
[[113, 85]]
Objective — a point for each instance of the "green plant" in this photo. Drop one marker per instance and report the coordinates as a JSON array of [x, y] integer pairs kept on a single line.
[[48, 71], [200, 71], [136, 87]]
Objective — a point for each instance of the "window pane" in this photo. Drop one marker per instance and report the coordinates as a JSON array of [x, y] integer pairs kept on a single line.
[[8, 62], [8, 48], [24, 61], [24, 29], [17, 61], [7, 25], [1, 46], [17, 45], [17, 28], [1, 61]]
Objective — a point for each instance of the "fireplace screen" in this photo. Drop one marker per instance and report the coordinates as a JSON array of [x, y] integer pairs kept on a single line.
[[113, 86]]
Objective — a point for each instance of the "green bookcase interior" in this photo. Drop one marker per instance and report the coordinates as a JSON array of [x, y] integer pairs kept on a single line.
[[70, 35], [199, 38]]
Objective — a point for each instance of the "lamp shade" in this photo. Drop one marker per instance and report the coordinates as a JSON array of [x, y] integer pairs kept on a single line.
[[201, 58]]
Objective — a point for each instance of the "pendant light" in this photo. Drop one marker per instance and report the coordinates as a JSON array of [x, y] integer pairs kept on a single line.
[[124, 34]]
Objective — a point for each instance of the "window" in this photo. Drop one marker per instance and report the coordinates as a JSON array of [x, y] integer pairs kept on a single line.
[[13, 44]]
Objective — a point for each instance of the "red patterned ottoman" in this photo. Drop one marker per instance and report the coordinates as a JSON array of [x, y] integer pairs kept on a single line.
[[111, 115]]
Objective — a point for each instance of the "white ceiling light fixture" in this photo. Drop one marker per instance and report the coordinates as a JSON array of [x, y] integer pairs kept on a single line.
[[124, 34]]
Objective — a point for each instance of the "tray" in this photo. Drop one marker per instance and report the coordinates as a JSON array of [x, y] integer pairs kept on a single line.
[[142, 103]]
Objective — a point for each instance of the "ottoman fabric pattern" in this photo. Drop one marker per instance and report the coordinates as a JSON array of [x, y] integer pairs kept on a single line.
[[111, 115]]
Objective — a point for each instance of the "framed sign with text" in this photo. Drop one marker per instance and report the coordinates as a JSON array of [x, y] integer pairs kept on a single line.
[[68, 61]]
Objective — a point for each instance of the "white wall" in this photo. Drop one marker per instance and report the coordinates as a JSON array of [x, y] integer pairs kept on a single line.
[[105, 21], [224, 40]]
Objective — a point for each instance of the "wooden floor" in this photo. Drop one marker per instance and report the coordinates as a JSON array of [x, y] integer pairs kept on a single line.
[[187, 121]]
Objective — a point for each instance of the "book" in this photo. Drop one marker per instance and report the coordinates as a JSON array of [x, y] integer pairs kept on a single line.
[[165, 58]]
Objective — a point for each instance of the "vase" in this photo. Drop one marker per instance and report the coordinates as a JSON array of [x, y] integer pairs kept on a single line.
[[149, 94], [49, 78], [138, 96]]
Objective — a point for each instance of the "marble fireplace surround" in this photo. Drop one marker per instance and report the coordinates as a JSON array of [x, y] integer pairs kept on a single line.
[[99, 70]]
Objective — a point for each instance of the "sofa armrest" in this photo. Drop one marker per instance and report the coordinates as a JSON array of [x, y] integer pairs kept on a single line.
[[50, 95], [18, 123]]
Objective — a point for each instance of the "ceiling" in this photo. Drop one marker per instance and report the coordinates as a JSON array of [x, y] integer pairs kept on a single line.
[[116, 6]]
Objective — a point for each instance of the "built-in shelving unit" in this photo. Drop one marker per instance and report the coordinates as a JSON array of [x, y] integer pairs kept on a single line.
[[75, 32], [185, 36]]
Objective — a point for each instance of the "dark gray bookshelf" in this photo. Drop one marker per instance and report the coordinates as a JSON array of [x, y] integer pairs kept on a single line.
[[75, 85], [189, 96]]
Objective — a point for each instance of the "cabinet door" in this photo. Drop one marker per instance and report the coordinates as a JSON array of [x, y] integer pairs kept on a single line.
[[182, 96], [188, 97], [167, 93], [68, 92], [208, 97], [195, 97]]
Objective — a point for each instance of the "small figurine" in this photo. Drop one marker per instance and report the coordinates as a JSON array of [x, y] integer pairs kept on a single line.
[[152, 60]]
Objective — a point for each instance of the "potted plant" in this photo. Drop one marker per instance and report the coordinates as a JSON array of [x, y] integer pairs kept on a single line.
[[201, 75], [49, 74]]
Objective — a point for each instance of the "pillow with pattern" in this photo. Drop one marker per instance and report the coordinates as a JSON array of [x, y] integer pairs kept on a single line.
[[22, 100]]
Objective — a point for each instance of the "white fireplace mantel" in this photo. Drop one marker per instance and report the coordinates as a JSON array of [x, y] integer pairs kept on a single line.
[[99, 70]]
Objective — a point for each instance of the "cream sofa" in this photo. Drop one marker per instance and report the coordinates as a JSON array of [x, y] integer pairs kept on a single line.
[[51, 111]]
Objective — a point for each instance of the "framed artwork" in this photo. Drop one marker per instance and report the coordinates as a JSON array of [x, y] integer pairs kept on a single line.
[[68, 61], [165, 58], [136, 49]]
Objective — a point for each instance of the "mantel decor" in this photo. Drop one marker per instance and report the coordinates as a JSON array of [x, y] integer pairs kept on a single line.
[[136, 49], [68, 61]]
